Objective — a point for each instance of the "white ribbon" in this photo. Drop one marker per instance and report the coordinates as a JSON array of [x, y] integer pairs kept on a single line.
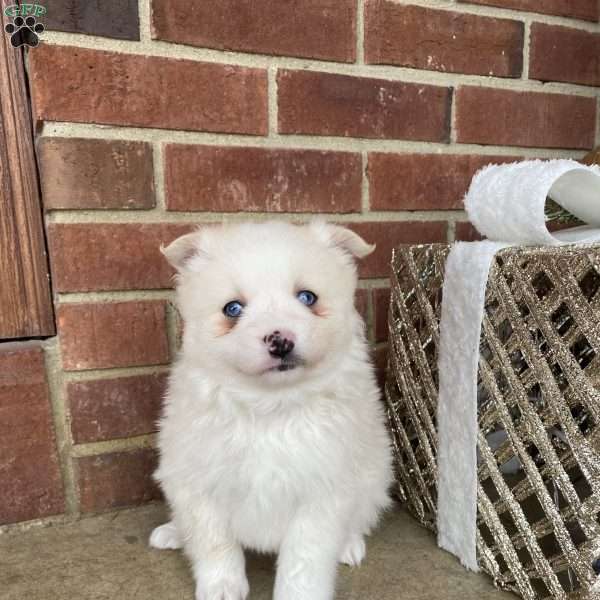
[[507, 205]]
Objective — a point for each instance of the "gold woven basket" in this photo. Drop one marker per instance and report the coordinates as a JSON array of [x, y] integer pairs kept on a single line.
[[538, 411]]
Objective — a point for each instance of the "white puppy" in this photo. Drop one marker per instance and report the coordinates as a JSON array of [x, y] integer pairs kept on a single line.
[[273, 436]]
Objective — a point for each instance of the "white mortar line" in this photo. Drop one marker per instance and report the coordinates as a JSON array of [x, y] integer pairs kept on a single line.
[[365, 190], [360, 32], [144, 17], [115, 445], [451, 231], [159, 175], [114, 373], [389, 73], [453, 117], [526, 49], [374, 283], [294, 142], [136, 295], [115, 295], [153, 217], [61, 422], [454, 217], [272, 100]]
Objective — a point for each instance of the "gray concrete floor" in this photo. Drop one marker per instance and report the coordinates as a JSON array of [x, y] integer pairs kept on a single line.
[[107, 558]]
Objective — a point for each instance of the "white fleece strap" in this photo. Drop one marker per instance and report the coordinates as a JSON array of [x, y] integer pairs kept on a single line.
[[506, 203], [465, 280]]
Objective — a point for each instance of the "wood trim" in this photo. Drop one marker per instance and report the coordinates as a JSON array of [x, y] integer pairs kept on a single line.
[[25, 298]]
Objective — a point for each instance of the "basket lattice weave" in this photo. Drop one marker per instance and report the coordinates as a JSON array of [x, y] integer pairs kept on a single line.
[[538, 411]]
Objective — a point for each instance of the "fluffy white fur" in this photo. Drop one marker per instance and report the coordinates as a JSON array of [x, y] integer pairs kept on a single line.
[[296, 462]]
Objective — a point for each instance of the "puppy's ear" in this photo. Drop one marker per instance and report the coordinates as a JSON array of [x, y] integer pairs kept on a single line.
[[183, 249], [343, 238]]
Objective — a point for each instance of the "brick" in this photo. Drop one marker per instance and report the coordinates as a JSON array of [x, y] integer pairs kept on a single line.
[[361, 302], [577, 9], [93, 86], [442, 40], [30, 479], [114, 334], [116, 480], [423, 181], [109, 18], [465, 232], [564, 54], [557, 226], [389, 234], [118, 256], [503, 117], [381, 302], [341, 105], [322, 29], [592, 157], [105, 409], [210, 178], [81, 173]]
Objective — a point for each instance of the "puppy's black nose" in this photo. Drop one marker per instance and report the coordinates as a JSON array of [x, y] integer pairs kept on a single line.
[[278, 344]]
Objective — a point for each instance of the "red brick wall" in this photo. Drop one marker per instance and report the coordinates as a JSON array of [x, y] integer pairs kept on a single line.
[[157, 115]]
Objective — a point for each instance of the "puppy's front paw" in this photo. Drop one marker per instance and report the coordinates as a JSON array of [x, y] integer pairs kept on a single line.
[[227, 589], [354, 552], [165, 537]]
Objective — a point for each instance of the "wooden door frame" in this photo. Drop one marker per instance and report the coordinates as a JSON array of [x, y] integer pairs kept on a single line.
[[26, 309]]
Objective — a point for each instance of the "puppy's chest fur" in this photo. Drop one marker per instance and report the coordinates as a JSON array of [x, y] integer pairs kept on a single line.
[[278, 467], [261, 467]]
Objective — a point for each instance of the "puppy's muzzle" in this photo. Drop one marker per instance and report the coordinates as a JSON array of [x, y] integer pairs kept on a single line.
[[279, 343]]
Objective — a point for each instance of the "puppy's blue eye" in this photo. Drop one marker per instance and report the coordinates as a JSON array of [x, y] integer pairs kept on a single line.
[[306, 297], [233, 309]]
